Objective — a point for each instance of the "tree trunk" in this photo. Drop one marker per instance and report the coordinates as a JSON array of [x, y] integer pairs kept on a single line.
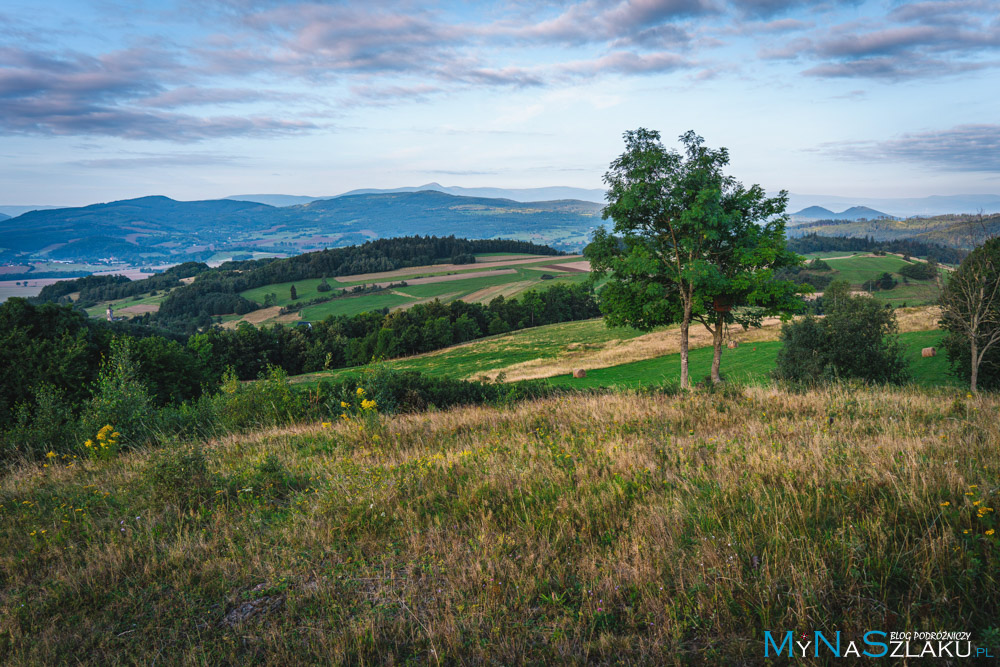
[[717, 344], [974, 375], [685, 327]]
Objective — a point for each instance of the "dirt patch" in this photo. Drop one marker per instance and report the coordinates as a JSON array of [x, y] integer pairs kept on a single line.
[[139, 309], [440, 268], [572, 267], [487, 294], [258, 317], [188, 280]]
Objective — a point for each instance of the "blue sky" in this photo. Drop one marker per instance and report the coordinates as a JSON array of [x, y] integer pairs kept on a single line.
[[199, 99]]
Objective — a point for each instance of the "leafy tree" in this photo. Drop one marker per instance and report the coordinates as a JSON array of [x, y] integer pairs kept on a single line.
[[323, 286], [291, 294], [689, 244], [856, 339], [970, 309]]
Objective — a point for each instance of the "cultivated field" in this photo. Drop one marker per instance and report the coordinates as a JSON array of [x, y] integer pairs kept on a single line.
[[618, 528]]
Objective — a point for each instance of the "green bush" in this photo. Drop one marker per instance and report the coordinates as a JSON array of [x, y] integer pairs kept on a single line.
[[269, 401], [120, 398], [919, 270], [44, 425], [857, 339]]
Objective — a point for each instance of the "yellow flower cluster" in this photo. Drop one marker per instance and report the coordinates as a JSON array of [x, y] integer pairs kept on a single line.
[[367, 404], [107, 442]]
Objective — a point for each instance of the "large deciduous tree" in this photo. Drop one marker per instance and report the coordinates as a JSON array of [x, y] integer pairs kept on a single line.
[[689, 244], [970, 309]]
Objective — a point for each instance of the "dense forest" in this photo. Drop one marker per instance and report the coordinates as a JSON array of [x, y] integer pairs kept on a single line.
[[53, 352]]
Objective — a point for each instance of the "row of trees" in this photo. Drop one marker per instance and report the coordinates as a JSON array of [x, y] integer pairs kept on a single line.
[[909, 247]]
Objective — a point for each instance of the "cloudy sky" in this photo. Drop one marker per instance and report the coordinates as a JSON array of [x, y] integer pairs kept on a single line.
[[104, 100]]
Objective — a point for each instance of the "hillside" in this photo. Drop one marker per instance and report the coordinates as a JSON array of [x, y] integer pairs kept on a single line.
[[158, 229], [645, 529], [962, 231], [632, 358]]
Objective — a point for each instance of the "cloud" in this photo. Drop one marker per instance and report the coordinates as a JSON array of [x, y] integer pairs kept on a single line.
[[961, 148], [624, 62], [77, 94], [880, 49]]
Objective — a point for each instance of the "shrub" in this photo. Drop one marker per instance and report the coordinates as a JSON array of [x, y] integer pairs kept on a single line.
[[46, 424], [855, 340], [120, 398], [270, 401], [919, 270]]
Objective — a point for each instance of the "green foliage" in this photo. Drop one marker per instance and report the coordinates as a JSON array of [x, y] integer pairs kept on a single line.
[[971, 315], [269, 401], [818, 265], [856, 340], [44, 424], [920, 270], [688, 237], [120, 398]]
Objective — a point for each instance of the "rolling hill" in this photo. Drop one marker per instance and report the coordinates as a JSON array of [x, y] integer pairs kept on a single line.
[[961, 231], [159, 229], [4, 216], [515, 194]]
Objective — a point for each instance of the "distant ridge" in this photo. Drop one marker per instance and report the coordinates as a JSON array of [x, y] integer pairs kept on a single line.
[[523, 195], [854, 213]]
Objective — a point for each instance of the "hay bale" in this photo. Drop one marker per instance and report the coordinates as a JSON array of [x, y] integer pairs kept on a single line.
[[579, 373], [928, 352], [732, 345]]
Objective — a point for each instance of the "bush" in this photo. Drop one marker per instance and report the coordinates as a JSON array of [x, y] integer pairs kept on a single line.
[[270, 401], [120, 398], [919, 270], [855, 340], [44, 425]]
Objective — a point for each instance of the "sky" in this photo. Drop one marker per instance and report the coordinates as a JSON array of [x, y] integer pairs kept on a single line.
[[199, 99]]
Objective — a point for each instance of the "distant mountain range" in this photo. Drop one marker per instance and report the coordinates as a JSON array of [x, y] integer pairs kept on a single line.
[[514, 194], [854, 213], [157, 229], [903, 207], [4, 216]]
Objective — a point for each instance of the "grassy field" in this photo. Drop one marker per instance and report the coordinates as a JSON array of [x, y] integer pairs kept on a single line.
[[630, 357], [469, 285], [753, 364], [609, 529]]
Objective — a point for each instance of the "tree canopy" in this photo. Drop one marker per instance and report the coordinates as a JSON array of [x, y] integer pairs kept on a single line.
[[689, 243]]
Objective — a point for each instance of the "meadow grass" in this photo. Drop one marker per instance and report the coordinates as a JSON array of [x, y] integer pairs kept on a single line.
[[620, 528]]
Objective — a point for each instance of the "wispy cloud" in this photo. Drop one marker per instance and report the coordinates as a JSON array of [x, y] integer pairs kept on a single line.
[[974, 148]]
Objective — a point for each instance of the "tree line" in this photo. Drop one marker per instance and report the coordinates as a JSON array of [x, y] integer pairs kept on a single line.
[[50, 347]]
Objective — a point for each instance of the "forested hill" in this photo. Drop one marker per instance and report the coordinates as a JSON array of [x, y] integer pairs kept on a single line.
[[216, 291], [158, 229], [958, 231]]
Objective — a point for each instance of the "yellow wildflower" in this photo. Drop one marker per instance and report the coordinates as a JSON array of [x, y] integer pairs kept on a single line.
[[990, 531], [360, 392], [326, 424], [945, 504], [50, 455]]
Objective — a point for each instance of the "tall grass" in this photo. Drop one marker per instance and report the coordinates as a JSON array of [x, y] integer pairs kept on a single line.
[[633, 528]]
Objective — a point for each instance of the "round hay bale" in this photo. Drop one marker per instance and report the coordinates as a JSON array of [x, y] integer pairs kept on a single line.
[[579, 373], [732, 345], [928, 352]]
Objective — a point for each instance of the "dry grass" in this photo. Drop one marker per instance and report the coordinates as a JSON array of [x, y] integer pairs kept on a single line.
[[605, 529]]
